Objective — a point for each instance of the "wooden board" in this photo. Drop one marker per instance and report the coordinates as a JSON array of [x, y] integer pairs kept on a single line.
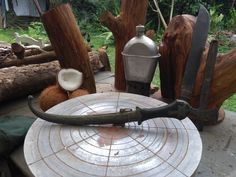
[[159, 147]]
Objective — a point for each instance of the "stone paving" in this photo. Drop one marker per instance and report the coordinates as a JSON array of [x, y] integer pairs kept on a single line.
[[219, 141]]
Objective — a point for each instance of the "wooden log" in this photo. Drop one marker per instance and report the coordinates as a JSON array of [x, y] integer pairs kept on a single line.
[[5, 52], [132, 13], [98, 59], [174, 50], [23, 51], [16, 82], [47, 48], [18, 50], [224, 79], [103, 57], [68, 43], [33, 51], [34, 59]]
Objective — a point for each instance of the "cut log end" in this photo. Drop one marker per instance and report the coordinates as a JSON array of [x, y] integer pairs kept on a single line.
[[18, 50]]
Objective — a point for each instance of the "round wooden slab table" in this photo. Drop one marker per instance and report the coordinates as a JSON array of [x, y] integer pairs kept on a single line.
[[158, 147]]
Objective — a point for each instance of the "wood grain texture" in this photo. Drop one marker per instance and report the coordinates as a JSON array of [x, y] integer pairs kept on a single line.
[[68, 43], [16, 82], [174, 51], [33, 59], [159, 147], [132, 13]]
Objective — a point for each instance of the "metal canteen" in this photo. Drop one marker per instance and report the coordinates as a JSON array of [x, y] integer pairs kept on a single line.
[[178, 109]]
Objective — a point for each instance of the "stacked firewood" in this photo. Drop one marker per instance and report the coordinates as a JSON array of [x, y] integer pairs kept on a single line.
[[18, 55], [5, 52], [28, 70]]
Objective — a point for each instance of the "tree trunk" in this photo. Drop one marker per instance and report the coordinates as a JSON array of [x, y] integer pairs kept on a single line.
[[132, 13], [68, 42], [224, 79], [174, 51], [16, 82]]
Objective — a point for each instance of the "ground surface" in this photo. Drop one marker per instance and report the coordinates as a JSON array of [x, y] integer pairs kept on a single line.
[[219, 141]]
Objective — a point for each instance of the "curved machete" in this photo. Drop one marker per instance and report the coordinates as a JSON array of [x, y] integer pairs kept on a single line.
[[178, 109], [200, 33]]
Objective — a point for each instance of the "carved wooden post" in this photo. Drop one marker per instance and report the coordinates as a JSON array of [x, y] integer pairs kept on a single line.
[[68, 43], [174, 50], [132, 13]]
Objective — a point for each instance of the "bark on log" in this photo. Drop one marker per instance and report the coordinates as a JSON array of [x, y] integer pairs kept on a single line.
[[174, 50], [18, 50], [68, 42], [132, 13], [21, 51], [33, 51], [104, 59], [98, 59], [48, 48], [34, 59], [16, 82], [224, 79]]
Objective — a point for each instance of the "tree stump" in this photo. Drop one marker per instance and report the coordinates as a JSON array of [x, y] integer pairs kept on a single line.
[[68, 43], [174, 51], [132, 13]]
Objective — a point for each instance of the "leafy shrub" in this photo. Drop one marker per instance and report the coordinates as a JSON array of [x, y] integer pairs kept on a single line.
[[231, 20], [37, 31], [88, 12], [216, 18], [180, 7]]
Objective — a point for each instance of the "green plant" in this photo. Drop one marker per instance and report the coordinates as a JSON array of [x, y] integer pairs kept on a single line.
[[168, 8], [225, 42], [37, 31], [108, 38], [216, 18], [88, 12], [230, 103], [8, 34], [231, 20]]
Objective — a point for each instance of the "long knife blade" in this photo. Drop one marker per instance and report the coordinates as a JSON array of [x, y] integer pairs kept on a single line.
[[178, 109], [111, 118], [211, 115], [208, 75], [199, 38]]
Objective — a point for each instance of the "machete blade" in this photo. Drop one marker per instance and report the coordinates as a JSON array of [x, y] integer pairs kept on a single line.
[[199, 38]]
